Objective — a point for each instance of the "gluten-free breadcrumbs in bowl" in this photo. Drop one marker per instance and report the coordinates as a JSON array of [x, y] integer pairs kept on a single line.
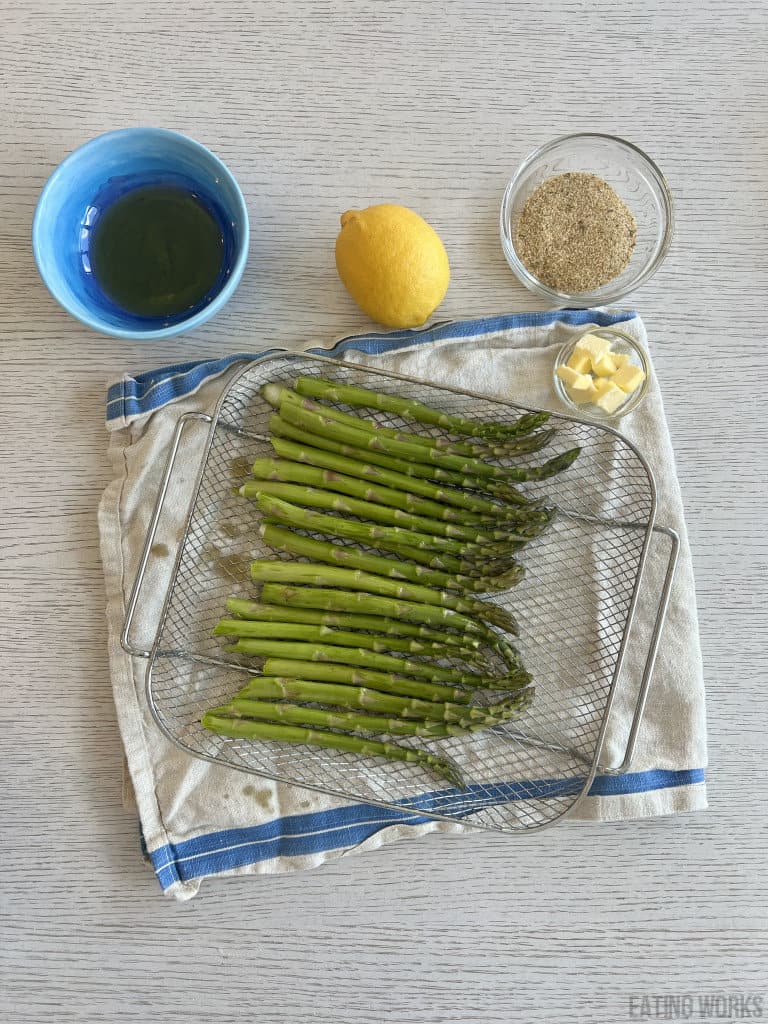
[[586, 219], [575, 233]]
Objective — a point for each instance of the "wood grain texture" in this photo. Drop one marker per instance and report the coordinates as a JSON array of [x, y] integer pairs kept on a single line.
[[318, 106]]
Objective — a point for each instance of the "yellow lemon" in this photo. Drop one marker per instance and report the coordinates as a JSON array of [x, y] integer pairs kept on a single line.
[[392, 263]]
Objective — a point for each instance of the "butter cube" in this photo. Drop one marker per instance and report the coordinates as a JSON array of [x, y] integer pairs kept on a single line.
[[611, 398], [595, 347], [583, 396], [606, 366], [572, 379], [579, 361], [601, 385], [628, 378], [620, 358]]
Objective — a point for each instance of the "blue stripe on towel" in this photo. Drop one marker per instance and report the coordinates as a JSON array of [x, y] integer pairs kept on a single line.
[[303, 835], [135, 396]]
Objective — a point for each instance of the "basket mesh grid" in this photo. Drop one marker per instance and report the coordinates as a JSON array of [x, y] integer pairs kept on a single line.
[[573, 608]]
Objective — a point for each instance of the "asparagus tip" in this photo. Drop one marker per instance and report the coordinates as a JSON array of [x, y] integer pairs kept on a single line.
[[453, 773]]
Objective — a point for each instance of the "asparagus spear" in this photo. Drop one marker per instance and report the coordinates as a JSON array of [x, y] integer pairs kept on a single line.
[[323, 551], [268, 571], [397, 540], [302, 485], [345, 721], [324, 426], [317, 423], [472, 564], [455, 644], [248, 729], [278, 630], [498, 485], [490, 566], [365, 532], [277, 395], [256, 610], [465, 504], [354, 721], [270, 471], [387, 682], [366, 699], [426, 471], [367, 659], [334, 600], [315, 387]]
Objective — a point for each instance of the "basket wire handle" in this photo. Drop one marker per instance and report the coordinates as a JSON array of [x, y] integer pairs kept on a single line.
[[653, 650], [125, 639]]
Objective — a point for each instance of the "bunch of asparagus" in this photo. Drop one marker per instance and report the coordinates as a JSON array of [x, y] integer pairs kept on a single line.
[[358, 635]]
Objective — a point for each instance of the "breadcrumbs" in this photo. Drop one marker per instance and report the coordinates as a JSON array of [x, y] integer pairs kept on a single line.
[[575, 233]]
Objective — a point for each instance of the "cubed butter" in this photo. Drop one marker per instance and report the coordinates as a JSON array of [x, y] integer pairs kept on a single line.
[[606, 366], [628, 378], [572, 379], [595, 347], [600, 384], [579, 361], [581, 397], [595, 374], [611, 398]]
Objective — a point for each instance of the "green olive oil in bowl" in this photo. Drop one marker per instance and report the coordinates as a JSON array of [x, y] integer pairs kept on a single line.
[[157, 251], [141, 233]]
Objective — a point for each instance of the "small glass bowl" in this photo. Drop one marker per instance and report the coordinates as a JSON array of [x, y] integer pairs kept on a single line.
[[633, 175], [622, 343]]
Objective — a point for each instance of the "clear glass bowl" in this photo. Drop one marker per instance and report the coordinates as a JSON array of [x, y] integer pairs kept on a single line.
[[633, 175], [622, 343]]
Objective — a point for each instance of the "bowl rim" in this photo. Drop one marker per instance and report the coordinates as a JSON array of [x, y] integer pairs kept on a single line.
[[595, 298], [589, 410], [202, 315]]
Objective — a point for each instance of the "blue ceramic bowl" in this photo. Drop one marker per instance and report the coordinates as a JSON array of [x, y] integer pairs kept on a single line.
[[103, 170]]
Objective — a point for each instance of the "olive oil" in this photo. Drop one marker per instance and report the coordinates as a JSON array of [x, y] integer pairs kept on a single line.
[[157, 252]]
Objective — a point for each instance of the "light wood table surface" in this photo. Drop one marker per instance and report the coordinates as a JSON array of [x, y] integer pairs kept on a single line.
[[316, 107]]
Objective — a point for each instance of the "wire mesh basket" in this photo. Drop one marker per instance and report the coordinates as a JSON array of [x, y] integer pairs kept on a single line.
[[574, 607]]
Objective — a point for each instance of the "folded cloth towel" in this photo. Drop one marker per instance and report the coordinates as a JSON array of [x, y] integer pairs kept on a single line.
[[199, 819]]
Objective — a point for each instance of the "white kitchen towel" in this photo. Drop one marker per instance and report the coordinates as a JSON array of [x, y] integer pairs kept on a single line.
[[198, 819]]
